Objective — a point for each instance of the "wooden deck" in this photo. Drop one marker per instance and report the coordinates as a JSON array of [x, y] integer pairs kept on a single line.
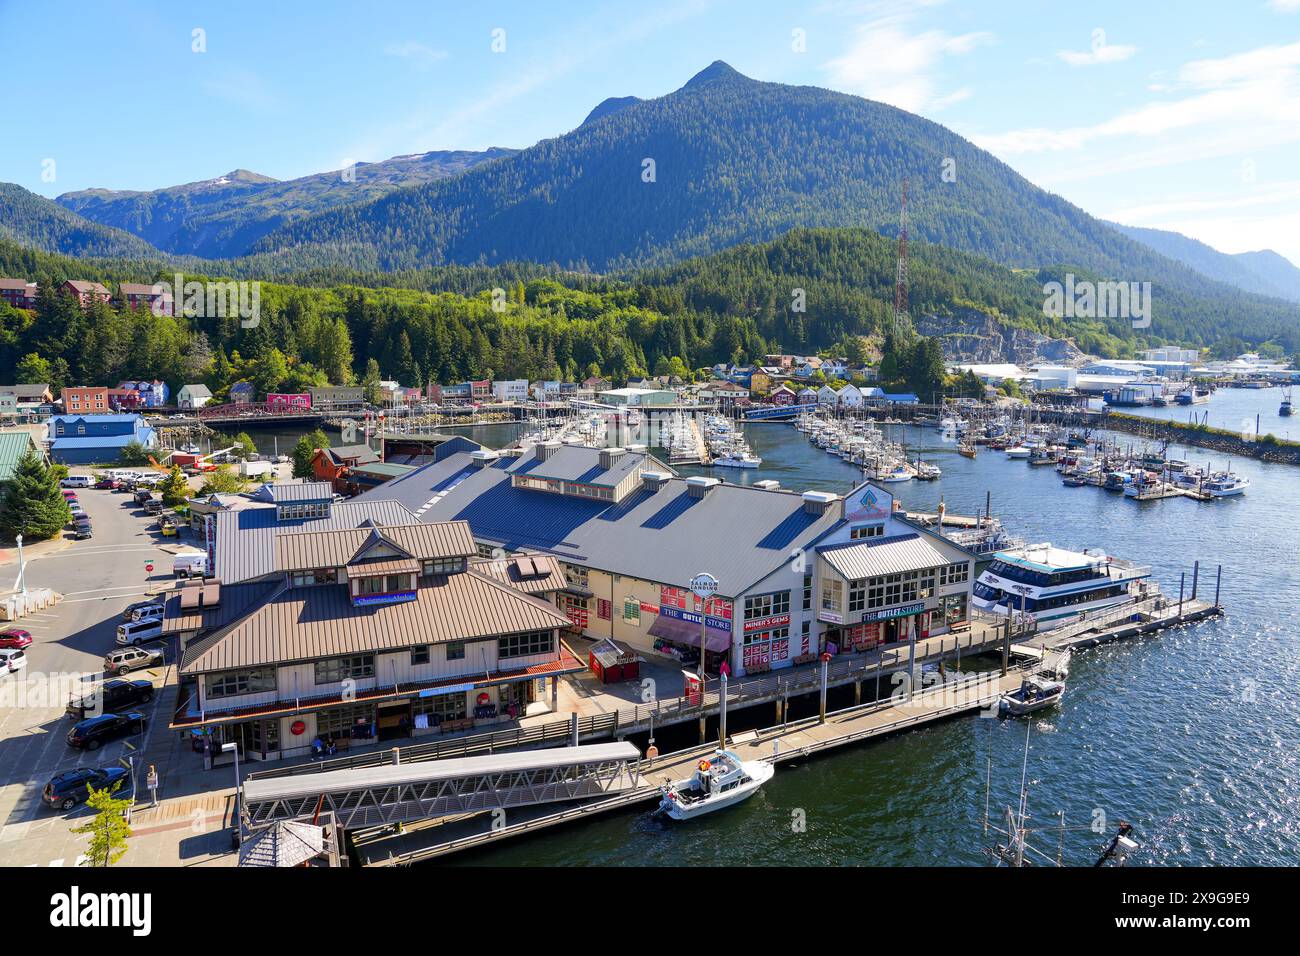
[[779, 743]]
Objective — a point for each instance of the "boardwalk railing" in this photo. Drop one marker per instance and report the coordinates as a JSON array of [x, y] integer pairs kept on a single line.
[[658, 712]]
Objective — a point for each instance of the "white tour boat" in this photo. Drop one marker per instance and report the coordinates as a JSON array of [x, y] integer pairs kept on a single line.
[[722, 780], [735, 459], [1052, 585]]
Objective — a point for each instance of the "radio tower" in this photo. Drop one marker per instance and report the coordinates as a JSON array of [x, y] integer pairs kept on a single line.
[[900, 280]]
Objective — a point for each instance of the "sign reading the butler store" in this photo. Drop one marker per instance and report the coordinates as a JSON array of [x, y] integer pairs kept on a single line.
[[704, 585], [888, 612]]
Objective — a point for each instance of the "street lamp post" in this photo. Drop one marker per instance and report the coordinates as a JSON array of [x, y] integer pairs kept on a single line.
[[22, 565], [239, 809]]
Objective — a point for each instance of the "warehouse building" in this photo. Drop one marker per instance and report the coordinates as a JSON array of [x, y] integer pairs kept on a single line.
[[797, 573]]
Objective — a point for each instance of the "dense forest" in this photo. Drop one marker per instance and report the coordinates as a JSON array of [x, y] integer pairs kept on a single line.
[[809, 291]]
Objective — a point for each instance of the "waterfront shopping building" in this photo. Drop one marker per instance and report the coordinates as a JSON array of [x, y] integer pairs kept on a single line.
[[797, 573], [356, 622]]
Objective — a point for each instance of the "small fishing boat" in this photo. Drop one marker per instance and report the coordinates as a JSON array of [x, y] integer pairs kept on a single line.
[[927, 472], [898, 473], [966, 451], [1033, 694], [720, 781], [1285, 408], [737, 459], [1226, 484]]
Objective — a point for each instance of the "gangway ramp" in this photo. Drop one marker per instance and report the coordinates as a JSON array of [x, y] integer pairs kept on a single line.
[[403, 793]]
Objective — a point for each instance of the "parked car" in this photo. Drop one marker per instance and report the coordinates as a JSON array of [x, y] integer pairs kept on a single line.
[[112, 697], [153, 506], [11, 660], [15, 638], [147, 609], [94, 732], [106, 483], [76, 481], [128, 613], [129, 659], [142, 497], [138, 631], [71, 787], [83, 532]]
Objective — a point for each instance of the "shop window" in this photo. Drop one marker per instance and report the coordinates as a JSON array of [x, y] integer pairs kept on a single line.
[[832, 595], [233, 683], [342, 721], [767, 605], [456, 651], [440, 707], [866, 531], [524, 645], [351, 667], [420, 654], [603, 609]]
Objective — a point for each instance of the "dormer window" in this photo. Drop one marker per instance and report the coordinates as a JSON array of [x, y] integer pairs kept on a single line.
[[384, 584]]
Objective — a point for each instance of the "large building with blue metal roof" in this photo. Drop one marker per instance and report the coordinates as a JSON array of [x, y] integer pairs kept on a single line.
[[96, 439], [796, 573]]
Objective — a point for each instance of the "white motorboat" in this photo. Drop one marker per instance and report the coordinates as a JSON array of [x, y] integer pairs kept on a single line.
[[1034, 693], [1019, 451], [896, 474], [720, 781], [1225, 484], [927, 472], [737, 460]]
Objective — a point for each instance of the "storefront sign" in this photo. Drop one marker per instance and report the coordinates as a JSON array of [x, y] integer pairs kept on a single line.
[[363, 600], [439, 691], [684, 599], [830, 617], [717, 623], [704, 585], [886, 613], [872, 505], [767, 623], [648, 608]]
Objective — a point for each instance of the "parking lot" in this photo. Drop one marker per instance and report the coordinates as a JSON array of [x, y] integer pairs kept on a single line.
[[97, 578]]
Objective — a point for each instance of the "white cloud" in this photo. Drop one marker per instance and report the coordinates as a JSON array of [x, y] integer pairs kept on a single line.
[[421, 55], [1102, 53], [886, 62], [1285, 6], [1238, 102]]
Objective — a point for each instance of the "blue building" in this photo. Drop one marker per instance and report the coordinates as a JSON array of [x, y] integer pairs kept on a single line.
[[90, 439]]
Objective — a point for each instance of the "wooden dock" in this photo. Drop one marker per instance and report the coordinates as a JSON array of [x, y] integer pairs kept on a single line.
[[779, 743]]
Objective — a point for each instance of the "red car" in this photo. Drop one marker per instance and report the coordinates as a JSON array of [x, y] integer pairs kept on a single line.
[[15, 638], [69, 495]]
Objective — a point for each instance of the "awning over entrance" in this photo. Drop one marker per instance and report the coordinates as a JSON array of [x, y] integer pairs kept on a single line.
[[684, 632]]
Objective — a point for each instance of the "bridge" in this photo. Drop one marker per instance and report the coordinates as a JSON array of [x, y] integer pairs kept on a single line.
[[403, 793], [255, 413]]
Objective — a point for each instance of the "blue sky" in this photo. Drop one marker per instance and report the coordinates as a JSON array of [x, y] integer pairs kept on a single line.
[[1176, 115]]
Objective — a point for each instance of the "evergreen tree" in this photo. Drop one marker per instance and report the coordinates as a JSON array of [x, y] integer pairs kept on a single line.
[[32, 504], [175, 490], [305, 450]]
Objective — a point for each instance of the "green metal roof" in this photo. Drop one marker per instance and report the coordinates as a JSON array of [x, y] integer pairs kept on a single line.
[[13, 445]]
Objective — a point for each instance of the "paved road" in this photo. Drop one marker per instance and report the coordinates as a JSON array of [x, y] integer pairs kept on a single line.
[[98, 578]]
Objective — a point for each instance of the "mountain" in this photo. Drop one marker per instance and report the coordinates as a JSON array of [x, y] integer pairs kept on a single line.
[[1236, 270], [39, 223], [609, 106], [1274, 269], [223, 217]]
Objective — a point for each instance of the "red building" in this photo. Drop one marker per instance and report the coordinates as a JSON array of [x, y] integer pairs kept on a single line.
[[135, 295], [283, 400], [86, 401], [124, 399], [18, 293], [87, 293]]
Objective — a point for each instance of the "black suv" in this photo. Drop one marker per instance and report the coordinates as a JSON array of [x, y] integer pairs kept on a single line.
[[112, 697], [93, 733], [66, 790]]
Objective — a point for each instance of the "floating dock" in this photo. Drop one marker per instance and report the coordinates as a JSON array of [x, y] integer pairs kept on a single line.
[[780, 743]]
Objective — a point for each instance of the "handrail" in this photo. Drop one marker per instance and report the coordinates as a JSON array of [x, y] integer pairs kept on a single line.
[[627, 719]]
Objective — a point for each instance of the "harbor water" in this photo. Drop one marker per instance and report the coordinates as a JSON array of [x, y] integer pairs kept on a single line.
[[1191, 735]]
